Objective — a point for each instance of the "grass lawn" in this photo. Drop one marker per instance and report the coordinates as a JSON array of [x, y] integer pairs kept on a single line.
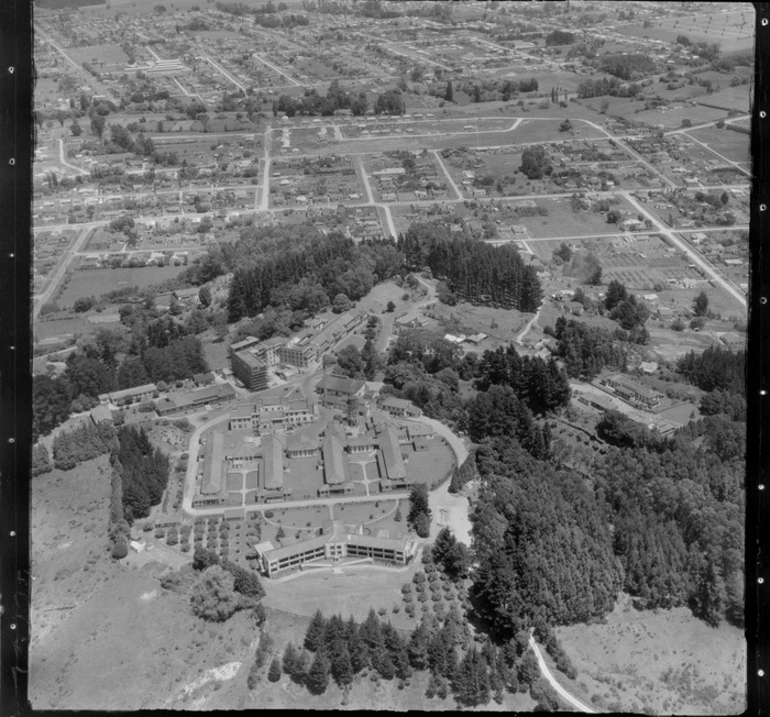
[[379, 513], [298, 518], [661, 661], [215, 352], [563, 221], [376, 301], [95, 282], [304, 477], [431, 466]]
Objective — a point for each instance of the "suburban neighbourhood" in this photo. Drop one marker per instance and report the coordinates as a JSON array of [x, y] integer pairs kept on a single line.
[[390, 355]]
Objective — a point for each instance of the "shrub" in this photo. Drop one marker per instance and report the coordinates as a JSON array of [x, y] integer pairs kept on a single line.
[[120, 550]]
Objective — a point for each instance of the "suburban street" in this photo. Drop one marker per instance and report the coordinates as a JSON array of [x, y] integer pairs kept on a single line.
[[695, 256]]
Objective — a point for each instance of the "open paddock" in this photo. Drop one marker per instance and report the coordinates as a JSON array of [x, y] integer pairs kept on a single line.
[[430, 466], [417, 126], [547, 130], [563, 221], [95, 282], [733, 145], [99, 54], [655, 662], [500, 325], [671, 117], [733, 29]]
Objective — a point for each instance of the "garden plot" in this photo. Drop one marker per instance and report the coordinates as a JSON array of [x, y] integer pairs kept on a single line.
[[641, 264]]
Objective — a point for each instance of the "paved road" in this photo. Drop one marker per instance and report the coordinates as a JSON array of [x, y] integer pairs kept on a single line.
[[63, 161], [86, 76], [684, 130], [277, 69], [222, 71], [529, 325], [55, 279], [697, 258], [436, 153], [737, 165], [566, 696]]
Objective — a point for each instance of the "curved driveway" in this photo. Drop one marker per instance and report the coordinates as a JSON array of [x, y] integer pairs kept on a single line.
[[566, 696]]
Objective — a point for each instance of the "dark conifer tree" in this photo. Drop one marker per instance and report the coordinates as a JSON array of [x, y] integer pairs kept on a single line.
[[314, 634]]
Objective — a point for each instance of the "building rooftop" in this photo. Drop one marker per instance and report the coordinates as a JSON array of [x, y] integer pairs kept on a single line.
[[135, 391], [250, 359], [391, 454], [629, 383], [212, 466], [101, 413], [334, 467], [272, 457]]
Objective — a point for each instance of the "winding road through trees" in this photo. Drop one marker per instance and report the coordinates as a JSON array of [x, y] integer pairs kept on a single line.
[[548, 675]]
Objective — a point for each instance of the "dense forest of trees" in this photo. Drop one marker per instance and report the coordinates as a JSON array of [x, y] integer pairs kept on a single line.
[[541, 384], [298, 268], [586, 350], [628, 66], [474, 271], [612, 86], [542, 544], [715, 369], [678, 507], [83, 443], [143, 472]]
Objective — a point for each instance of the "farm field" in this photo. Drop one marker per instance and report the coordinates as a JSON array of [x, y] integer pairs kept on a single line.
[[106, 54], [731, 98], [548, 131], [95, 282], [733, 145], [671, 117], [64, 327], [732, 28], [659, 662]]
